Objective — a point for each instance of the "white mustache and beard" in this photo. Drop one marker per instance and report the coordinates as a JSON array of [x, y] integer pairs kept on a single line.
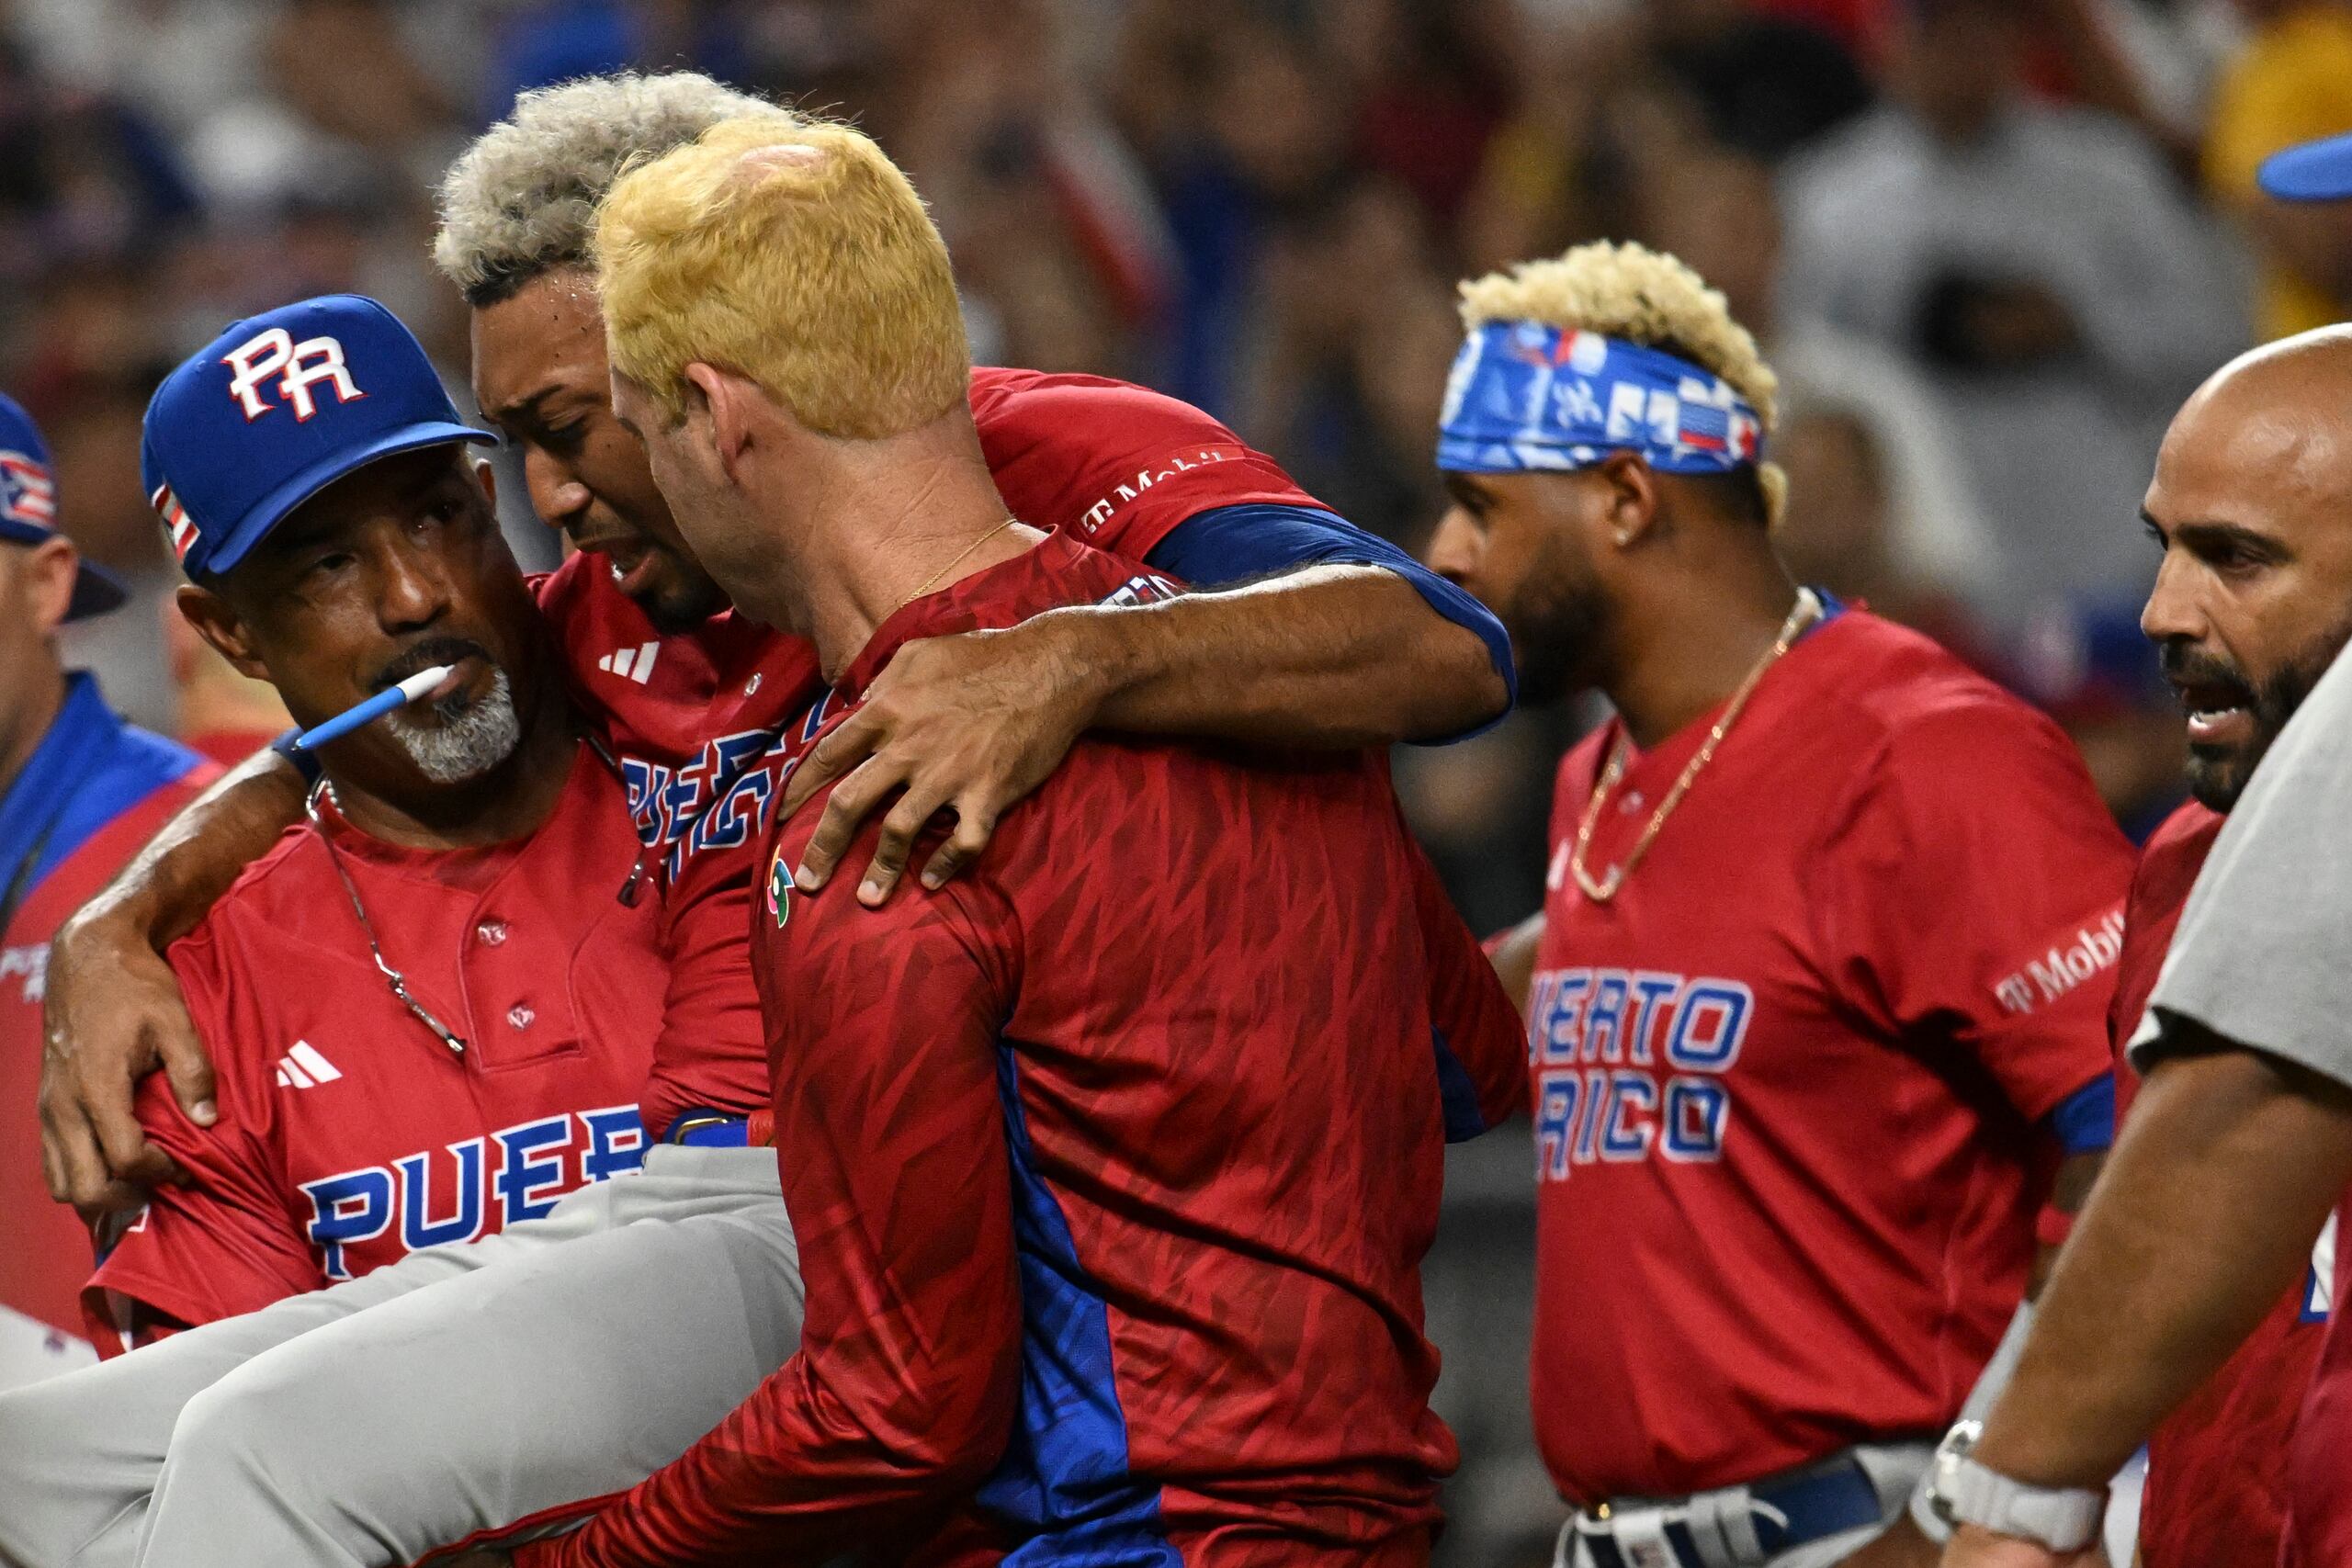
[[474, 737]]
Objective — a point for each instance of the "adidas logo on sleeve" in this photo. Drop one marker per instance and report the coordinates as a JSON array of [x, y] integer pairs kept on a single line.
[[631, 663]]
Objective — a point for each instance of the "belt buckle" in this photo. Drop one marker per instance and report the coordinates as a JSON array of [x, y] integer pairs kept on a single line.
[[1638, 1536]]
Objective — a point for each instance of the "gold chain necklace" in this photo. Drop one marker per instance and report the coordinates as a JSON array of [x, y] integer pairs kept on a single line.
[[1807, 611], [929, 581]]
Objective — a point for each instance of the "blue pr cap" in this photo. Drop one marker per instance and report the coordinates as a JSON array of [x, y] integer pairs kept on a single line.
[[2311, 171], [278, 408], [28, 508]]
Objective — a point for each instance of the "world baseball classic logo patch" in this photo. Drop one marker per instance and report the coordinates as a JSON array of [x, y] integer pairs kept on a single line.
[[779, 889]]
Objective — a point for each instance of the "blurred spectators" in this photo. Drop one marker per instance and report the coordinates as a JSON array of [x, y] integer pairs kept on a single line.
[[2011, 232], [2292, 82], [2038, 263], [2088, 666], [1880, 508]]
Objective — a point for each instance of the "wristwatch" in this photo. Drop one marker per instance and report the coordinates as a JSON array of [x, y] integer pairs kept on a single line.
[[1963, 1492]]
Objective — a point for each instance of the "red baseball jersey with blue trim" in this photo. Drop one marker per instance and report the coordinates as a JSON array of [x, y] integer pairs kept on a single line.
[[350, 1134], [1786, 1083], [2216, 1493], [1112, 1163], [697, 714], [92, 794], [2318, 1511]]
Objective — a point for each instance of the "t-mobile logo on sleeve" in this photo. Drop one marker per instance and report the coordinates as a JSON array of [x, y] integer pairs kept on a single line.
[[1151, 474], [2074, 958]]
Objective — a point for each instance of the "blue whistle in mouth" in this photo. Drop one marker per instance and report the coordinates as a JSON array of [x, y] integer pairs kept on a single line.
[[374, 708]]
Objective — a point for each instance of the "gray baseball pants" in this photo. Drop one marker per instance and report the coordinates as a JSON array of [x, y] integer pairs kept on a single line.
[[463, 1390]]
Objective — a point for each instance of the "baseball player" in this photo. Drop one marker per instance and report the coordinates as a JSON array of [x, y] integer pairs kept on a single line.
[[2183, 1313], [1091, 1278], [255, 1476], [2243, 662], [469, 1034], [80, 790], [1819, 985], [1341, 640]]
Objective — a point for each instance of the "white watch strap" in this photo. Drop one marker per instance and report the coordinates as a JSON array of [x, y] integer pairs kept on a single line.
[[2063, 1519]]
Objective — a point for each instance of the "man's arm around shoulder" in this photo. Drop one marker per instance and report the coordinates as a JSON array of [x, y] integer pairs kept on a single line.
[[1338, 640]]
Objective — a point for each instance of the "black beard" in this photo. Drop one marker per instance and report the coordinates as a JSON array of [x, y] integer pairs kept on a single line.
[[2219, 774], [1557, 635]]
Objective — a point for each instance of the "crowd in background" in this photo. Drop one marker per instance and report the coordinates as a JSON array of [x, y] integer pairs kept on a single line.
[[1989, 244]]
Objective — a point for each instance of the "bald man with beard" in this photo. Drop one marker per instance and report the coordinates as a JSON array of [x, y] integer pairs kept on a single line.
[[2188, 1303]]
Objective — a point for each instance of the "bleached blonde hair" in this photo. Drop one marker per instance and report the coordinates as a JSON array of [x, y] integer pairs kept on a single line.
[[796, 255], [1629, 291], [521, 200]]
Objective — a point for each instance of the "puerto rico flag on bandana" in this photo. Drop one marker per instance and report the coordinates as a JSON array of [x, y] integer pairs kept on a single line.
[[26, 492], [177, 522], [1706, 426]]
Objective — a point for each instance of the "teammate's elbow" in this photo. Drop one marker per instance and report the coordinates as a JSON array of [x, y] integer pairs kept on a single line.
[[1458, 675]]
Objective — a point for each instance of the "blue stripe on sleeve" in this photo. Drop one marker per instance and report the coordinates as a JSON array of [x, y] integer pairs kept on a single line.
[[2085, 1120], [1227, 545], [1457, 1096]]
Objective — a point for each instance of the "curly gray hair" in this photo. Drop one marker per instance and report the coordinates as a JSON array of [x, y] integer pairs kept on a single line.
[[522, 199]]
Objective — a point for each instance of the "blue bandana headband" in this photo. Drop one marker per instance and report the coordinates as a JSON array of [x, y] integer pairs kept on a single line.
[[1525, 398]]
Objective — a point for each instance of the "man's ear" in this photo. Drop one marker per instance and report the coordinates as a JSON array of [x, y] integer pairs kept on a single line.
[[218, 623], [719, 409], [1631, 509], [488, 478], [48, 577]]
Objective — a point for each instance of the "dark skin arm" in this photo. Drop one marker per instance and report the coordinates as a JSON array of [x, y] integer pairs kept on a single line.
[[1333, 657], [1514, 960], [112, 1012], [2212, 1202], [2077, 1174]]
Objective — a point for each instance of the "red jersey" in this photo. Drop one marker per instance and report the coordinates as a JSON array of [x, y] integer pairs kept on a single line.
[[230, 747], [699, 713], [140, 781], [2216, 1493], [1786, 1082], [2319, 1521], [350, 1134], [1113, 1164]]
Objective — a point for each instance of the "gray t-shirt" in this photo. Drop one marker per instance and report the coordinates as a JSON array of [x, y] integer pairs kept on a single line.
[[2263, 955]]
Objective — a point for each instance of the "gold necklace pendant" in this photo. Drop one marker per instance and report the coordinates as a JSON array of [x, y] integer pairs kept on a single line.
[[1601, 890]]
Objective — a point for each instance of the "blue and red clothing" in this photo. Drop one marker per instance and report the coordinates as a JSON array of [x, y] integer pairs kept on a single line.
[[2218, 1475], [1112, 1163], [1794, 1084], [700, 719], [89, 797], [349, 1136]]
